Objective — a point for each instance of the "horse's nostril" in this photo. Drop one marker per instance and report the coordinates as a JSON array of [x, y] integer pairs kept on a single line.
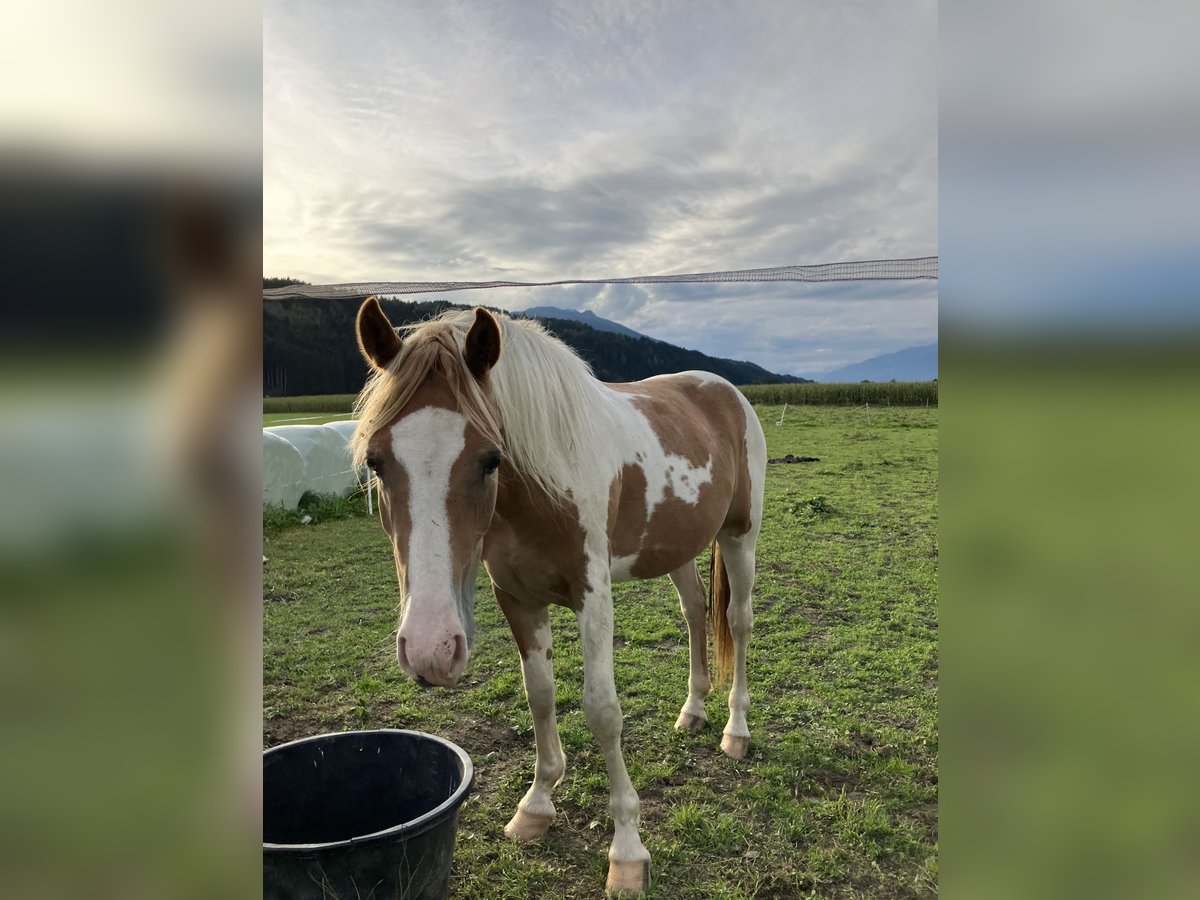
[[432, 656], [460, 649]]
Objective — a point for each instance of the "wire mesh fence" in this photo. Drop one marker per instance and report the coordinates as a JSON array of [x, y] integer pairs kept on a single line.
[[922, 267]]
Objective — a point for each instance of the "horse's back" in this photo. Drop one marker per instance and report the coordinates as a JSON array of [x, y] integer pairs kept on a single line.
[[698, 406]]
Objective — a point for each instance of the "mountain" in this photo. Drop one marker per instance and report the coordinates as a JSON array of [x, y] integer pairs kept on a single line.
[[586, 316], [309, 348], [618, 357], [910, 364]]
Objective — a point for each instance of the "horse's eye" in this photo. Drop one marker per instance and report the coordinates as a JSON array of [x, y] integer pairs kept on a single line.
[[491, 462], [373, 464]]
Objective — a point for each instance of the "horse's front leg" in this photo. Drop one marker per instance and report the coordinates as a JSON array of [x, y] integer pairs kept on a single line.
[[531, 627], [628, 859]]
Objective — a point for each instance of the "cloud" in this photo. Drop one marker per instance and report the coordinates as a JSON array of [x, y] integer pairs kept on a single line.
[[620, 302], [538, 141]]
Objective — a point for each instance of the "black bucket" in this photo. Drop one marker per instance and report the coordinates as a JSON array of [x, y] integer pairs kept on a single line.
[[362, 815]]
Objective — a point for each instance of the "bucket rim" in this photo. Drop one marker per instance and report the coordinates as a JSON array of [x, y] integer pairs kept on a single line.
[[412, 826]]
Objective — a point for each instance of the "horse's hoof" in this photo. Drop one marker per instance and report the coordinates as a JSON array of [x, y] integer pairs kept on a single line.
[[735, 747], [688, 722], [527, 826], [627, 879]]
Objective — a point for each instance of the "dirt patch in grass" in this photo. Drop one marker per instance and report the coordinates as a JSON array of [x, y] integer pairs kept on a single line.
[[927, 815], [484, 736], [290, 728]]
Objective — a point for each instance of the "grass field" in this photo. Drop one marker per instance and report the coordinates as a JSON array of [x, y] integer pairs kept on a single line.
[[838, 796], [293, 418]]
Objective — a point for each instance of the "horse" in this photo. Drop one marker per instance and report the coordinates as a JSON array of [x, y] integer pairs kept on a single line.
[[491, 440]]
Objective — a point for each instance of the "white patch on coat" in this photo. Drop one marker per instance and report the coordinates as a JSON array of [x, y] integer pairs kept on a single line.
[[622, 568], [685, 480], [756, 462], [696, 374]]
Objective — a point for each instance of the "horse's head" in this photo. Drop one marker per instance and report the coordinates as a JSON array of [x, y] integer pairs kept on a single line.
[[432, 438]]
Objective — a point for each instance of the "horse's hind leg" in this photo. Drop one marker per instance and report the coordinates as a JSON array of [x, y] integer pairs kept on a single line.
[[692, 601], [531, 628], [738, 554]]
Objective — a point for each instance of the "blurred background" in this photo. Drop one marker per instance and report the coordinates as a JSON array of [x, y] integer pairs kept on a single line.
[[130, 228], [130, 541], [1069, 319]]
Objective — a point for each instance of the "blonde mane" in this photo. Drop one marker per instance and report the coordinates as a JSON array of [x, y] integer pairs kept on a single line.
[[556, 416]]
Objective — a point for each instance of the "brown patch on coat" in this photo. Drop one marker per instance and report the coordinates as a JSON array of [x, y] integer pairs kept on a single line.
[[678, 531], [681, 435], [470, 500], [518, 622], [535, 546], [738, 520], [733, 420], [627, 511]]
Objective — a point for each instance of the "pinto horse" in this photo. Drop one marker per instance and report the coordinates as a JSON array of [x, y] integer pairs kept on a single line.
[[490, 440]]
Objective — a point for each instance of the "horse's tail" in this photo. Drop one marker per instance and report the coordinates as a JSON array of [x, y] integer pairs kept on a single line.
[[718, 612]]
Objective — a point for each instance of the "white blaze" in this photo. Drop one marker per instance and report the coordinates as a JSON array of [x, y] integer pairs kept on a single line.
[[427, 443]]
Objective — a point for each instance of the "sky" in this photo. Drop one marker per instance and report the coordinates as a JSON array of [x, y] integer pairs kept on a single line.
[[1070, 200], [530, 141]]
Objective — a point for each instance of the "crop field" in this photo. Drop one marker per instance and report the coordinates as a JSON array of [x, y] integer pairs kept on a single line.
[[838, 796], [874, 393], [324, 403]]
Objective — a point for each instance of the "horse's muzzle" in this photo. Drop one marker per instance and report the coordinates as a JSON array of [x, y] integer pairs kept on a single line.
[[433, 657]]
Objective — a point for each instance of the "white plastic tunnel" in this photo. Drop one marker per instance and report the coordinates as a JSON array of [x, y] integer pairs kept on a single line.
[[302, 458]]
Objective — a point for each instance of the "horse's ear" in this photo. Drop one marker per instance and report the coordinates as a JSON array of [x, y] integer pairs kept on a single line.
[[376, 337], [482, 348]]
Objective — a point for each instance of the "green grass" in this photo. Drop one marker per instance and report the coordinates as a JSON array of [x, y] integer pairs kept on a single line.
[[838, 797], [293, 418], [316, 509]]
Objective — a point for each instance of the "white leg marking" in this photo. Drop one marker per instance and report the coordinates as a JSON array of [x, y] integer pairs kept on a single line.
[[739, 567], [692, 601], [628, 858], [536, 809]]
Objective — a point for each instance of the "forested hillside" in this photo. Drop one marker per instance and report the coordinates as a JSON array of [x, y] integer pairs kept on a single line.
[[309, 348]]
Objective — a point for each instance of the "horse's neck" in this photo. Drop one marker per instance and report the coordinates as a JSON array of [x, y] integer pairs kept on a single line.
[[525, 504], [597, 453]]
